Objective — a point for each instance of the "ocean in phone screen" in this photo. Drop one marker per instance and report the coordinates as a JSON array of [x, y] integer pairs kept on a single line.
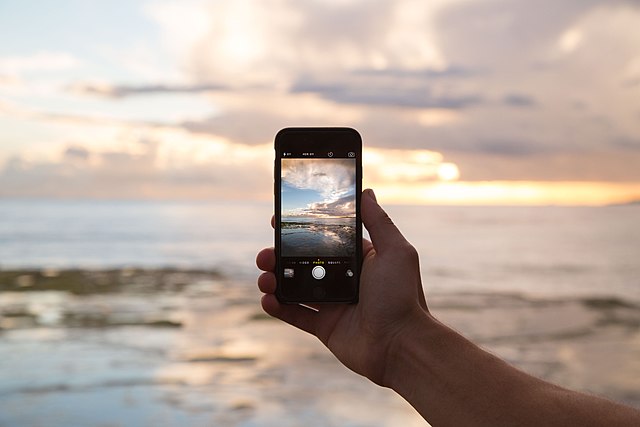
[[318, 207]]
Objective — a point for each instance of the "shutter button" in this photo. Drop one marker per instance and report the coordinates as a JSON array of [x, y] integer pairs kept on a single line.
[[318, 272]]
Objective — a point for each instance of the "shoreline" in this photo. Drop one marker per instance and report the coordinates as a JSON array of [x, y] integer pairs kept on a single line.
[[140, 283], [94, 281], [88, 280], [196, 343]]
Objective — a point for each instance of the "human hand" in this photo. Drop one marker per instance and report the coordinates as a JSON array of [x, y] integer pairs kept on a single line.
[[362, 336]]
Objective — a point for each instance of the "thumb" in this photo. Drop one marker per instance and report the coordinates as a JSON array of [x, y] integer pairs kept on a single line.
[[384, 234]]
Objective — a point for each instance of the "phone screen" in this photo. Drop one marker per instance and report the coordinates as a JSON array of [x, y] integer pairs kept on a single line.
[[318, 226]]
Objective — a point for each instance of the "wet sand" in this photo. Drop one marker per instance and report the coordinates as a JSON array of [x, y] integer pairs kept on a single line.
[[172, 347], [311, 239]]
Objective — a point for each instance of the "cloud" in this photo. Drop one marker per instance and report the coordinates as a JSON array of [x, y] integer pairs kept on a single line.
[[245, 126], [420, 73], [274, 42], [510, 147], [513, 90], [401, 166], [38, 62], [161, 164], [76, 153], [343, 207], [121, 91], [519, 100], [426, 88], [333, 179], [147, 169], [493, 63], [456, 56], [395, 95], [613, 165], [506, 34]]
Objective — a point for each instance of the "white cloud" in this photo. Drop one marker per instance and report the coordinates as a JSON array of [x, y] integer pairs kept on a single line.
[[38, 62], [343, 207], [248, 42], [499, 62], [155, 163], [333, 179], [570, 40], [506, 89]]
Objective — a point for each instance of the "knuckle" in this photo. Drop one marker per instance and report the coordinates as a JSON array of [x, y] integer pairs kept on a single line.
[[410, 251], [404, 251]]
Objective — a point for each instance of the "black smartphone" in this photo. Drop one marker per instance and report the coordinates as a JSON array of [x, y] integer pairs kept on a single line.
[[318, 229]]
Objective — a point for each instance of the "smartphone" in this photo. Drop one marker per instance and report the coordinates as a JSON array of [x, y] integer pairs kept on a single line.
[[318, 228]]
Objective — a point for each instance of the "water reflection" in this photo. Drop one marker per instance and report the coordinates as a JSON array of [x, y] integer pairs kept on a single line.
[[202, 353]]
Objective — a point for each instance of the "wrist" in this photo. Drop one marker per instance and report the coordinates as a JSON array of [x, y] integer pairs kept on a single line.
[[403, 347]]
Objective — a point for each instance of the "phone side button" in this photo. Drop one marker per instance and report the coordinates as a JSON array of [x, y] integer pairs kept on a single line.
[[319, 292]]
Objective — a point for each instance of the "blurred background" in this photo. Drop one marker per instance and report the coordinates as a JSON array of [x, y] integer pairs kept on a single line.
[[503, 137]]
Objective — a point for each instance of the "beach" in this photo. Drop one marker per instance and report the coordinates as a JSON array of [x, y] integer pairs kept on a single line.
[[139, 313], [152, 151], [334, 237], [171, 347]]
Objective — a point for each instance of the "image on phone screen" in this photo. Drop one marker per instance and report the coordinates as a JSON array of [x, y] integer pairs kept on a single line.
[[318, 207]]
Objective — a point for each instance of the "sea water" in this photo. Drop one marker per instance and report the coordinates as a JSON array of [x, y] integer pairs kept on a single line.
[[547, 251], [549, 289]]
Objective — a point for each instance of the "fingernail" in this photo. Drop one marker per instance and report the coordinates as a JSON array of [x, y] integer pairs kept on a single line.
[[372, 195]]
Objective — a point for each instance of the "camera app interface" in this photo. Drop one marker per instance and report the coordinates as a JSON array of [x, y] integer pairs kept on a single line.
[[318, 220]]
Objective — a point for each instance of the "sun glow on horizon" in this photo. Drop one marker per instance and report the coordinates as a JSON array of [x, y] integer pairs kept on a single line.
[[535, 193], [448, 172], [418, 177]]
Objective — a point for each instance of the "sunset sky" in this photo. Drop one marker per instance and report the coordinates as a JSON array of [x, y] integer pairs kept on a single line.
[[458, 101]]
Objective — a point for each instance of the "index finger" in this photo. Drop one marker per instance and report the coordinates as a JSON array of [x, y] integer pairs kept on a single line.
[[266, 259]]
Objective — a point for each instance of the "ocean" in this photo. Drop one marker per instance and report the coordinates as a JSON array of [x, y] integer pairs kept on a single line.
[[551, 290], [540, 251]]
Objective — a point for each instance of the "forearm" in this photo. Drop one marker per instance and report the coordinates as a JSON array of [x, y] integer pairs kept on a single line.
[[451, 381]]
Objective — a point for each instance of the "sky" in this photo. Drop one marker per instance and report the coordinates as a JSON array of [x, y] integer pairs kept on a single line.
[[458, 101], [318, 187]]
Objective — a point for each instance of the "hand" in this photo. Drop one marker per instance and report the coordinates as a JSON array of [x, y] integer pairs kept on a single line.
[[391, 338], [364, 335]]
